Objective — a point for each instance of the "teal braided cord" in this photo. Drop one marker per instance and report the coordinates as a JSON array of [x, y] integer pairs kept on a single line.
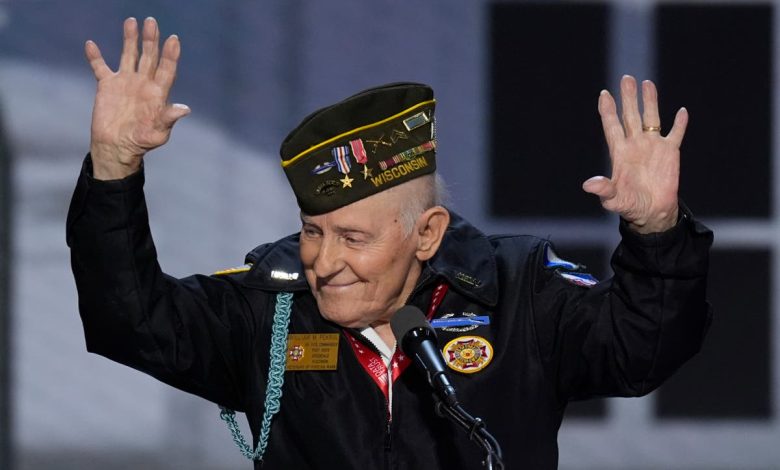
[[229, 417], [273, 391]]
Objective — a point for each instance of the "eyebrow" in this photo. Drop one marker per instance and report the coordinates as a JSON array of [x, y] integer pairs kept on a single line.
[[305, 220]]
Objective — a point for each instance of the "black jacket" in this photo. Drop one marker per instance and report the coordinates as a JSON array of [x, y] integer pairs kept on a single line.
[[553, 341]]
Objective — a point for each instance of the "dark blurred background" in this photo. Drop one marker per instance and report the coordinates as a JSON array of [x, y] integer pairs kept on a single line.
[[518, 132]]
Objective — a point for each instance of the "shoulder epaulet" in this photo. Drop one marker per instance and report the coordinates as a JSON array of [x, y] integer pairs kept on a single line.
[[237, 269]]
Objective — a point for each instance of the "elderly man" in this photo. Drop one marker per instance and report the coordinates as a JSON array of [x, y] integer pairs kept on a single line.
[[299, 338]]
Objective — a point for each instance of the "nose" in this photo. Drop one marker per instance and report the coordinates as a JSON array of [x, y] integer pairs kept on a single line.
[[329, 260]]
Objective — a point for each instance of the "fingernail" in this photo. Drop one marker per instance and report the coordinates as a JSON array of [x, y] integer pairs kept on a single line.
[[593, 179], [604, 92], [181, 106]]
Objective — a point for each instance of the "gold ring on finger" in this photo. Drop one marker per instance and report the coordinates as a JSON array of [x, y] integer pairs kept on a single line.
[[651, 128]]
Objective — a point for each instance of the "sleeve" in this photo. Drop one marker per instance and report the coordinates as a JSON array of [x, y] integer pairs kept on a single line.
[[624, 336], [192, 333]]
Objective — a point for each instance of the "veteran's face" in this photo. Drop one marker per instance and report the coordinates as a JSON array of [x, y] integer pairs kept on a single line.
[[359, 262]]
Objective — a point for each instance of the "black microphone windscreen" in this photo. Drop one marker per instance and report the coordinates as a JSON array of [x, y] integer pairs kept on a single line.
[[405, 320]]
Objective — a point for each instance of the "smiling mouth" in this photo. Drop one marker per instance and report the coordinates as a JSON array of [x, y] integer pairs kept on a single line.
[[331, 285]]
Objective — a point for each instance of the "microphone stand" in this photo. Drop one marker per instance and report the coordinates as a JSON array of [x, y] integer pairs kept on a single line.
[[476, 430]]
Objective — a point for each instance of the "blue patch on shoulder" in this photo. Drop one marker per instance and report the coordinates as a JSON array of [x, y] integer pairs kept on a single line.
[[579, 279], [551, 260]]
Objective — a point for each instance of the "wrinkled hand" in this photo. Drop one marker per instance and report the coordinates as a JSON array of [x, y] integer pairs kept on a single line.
[[131, 115], [645, 164]]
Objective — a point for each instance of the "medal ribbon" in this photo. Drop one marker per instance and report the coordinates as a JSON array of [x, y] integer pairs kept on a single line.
[[341, 157], [359, 151], [372, 362]]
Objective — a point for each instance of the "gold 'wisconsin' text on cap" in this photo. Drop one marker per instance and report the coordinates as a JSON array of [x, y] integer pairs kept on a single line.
[[399, 171]]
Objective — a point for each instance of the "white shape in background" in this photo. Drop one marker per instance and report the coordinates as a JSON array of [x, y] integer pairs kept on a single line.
[[210, 199], [5, 17]]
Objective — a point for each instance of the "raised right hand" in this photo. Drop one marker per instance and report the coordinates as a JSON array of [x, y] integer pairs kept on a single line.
[[131, 115]]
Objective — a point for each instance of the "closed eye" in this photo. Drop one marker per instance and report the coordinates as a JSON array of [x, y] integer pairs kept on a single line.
[[310, 231], [352, 240]]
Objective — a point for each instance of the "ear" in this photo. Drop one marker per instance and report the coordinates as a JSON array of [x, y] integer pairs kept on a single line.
[[430, 227]]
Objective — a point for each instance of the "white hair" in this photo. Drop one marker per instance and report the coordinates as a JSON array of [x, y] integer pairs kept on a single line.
[[419, 195]]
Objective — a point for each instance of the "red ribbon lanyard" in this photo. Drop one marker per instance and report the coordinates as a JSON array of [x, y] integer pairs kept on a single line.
[[373, 363]]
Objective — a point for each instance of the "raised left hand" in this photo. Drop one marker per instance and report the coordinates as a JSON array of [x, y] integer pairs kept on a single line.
[[645, 164]]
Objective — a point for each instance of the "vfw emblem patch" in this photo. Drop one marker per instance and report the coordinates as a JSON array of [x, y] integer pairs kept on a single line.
[[468, 354]]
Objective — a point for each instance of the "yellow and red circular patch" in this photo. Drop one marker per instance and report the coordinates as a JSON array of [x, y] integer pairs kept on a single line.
[[468, 354]]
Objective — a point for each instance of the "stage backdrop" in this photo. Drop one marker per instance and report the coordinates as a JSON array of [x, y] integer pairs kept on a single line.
[[518, 132]]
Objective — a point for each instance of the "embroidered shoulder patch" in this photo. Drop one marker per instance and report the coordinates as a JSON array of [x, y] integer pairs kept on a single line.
[[551, 260], [579, 279], [237, 269]]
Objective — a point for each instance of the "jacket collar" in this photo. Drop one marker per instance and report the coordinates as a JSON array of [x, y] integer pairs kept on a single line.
[[277, 266], [465, 259]]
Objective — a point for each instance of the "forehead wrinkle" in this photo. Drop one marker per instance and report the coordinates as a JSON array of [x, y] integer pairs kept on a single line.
[[339, 228], [349, 228], [388, 203]]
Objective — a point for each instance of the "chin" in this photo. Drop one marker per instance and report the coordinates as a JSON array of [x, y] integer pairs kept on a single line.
[[345, 321], [341, 314]]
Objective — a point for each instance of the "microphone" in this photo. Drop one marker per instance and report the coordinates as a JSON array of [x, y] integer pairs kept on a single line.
[[418, 341]]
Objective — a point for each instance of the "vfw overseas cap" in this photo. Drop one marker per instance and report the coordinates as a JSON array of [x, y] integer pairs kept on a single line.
[[370, 142]]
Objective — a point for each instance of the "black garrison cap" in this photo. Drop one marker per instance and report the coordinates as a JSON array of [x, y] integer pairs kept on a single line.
[[371, 141]]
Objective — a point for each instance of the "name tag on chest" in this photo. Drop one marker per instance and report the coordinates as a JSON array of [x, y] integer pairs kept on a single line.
[[312, 351]]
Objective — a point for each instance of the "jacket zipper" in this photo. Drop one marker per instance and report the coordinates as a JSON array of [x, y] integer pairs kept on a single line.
[[389, 435], [389, 426], [389, 421], [388, 444]]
